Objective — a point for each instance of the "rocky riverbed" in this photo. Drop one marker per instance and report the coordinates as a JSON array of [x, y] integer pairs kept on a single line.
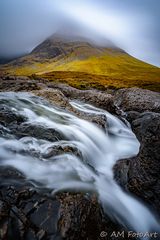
[[28, 212]]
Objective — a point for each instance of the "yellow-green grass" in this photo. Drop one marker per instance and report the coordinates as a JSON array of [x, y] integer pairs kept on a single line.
[[83, 80], [114, 71]]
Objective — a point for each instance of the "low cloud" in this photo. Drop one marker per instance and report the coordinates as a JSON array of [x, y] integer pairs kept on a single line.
[[131, 25]]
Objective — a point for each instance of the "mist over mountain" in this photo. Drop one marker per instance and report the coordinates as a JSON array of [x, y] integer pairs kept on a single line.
[[66, 48], [131, 25]]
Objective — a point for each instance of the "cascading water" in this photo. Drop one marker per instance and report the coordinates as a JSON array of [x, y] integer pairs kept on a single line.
[[90, 171]]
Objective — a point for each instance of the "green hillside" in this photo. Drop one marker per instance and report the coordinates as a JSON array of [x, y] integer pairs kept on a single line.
[[83, 64]]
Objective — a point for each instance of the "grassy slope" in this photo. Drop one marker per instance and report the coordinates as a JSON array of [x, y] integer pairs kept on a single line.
[[115, 70]]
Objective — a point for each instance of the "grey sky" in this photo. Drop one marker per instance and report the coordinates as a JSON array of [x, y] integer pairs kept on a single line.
[[132, 25]]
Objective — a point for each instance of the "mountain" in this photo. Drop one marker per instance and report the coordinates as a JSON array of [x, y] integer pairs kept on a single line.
[[83, 64]]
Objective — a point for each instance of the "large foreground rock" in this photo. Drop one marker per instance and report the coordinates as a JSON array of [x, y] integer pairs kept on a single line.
[[55, 96], [136, 99], [81, 217], [141, 174], [144, 170], [27, 214], [97, 98], [58, 99]]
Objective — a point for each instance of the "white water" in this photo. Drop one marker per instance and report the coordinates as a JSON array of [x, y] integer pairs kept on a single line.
[[92, 173]]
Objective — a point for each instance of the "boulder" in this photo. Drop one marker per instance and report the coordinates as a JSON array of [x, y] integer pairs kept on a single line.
[[81, 217], [141, 174], [38, 131], [136, 99], [62, 149], [8, 116], [144, 170], [58, 99], [54, 96], [97, 98], [27, 214]]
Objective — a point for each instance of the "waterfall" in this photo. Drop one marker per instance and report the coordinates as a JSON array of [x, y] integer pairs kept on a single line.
[[91, 170]]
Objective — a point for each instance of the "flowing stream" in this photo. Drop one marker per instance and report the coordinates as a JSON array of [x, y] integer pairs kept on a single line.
[[89, 170]]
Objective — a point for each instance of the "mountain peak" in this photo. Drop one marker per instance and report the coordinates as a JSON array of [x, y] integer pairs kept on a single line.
[[67, 37], [78, 62], [78, 47]]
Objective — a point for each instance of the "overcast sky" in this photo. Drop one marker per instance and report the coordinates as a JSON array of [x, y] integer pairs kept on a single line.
[[133, 25]]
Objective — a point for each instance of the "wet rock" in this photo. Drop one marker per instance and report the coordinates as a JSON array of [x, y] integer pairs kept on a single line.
[[39, 132], [62, 149], [5, 132], [10, 175], [54, 96], [144, 170], [99, 120], [58, 99], [121, 170], [27, 214], [132, 115], [4, 210], [59, 96], [142, 173], [81, 217], [4, 227], [8, 116], [95, 97], [136, 99]]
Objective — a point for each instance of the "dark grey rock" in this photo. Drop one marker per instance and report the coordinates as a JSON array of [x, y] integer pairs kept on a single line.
[[81, 218], [39, 132], [8, 116], [18, 221], [97, 98], [144, 170], [136, 99], [142, 173]]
